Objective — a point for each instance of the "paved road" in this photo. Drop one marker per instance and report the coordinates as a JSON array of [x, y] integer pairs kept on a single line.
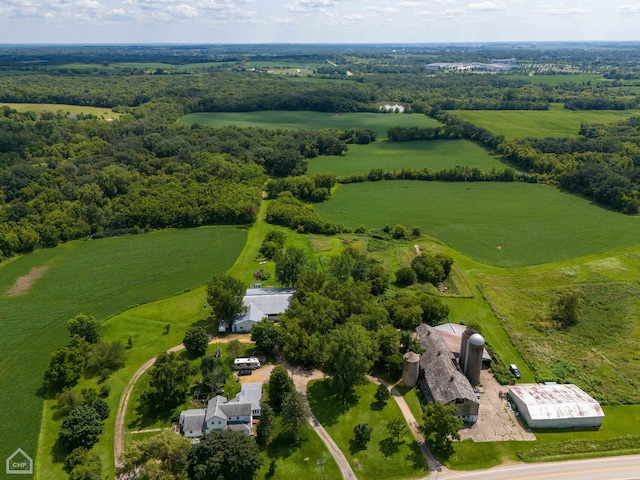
[[611, 468]]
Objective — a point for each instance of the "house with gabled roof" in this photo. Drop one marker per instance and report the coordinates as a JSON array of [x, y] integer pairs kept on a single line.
[[262, 303], [236, 414]]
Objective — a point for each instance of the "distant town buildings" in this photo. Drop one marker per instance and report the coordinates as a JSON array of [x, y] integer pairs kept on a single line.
[[496, 65]]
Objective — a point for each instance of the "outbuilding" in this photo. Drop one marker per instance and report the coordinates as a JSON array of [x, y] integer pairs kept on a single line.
[[556, 406]]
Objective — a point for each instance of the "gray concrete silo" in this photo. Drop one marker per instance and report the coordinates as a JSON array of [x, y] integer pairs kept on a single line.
[[410, 369], [464, 340], [473, 359]]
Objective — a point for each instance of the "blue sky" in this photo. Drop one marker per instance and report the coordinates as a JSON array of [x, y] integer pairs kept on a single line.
[[315, 21]]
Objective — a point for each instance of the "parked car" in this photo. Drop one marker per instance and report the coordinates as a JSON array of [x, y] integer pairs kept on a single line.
[[244, 371], [514, 369]]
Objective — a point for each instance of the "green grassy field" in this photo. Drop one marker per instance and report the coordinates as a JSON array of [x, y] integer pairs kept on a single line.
[[382, 458], [389, 156], [505, 224], [100, 278], [619, 421], [55, 107], [600, 353], [312, 120], [555, 122]]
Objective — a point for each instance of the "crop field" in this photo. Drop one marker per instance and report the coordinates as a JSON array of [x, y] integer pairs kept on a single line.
[[555, 122], [504, 224], [312, 120], [599, 353], [55, 107], [100, 278], [389, 156]]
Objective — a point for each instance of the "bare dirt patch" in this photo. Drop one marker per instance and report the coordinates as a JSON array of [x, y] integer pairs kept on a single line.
[[24, 283]]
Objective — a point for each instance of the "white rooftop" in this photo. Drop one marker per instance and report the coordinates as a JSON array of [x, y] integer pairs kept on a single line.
[[556, 401], [269, 301]]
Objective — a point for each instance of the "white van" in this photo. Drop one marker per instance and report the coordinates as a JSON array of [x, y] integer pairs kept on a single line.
[[246, 362]]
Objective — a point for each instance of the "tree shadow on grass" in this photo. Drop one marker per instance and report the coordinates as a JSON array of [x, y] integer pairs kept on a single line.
[[377, 406], [58, 452], [326, 404], [282, 446], [355, 447], [442, 453], [416, 457], [389, 447], [148, 415]]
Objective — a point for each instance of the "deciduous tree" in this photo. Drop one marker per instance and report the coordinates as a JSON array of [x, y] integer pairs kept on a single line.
[[81, 428], [348, 356], [85, 326], [163, 456], [440, 425], [169, 381], [289, 265], [266, 335], [225, 294], [224, 455], [196, 341]]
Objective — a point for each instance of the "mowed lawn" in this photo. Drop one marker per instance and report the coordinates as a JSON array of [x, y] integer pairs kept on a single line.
[[101, 278], [555, 122], [503, 224], [379, 122], [383, 456], [389, 156], [56, 107]]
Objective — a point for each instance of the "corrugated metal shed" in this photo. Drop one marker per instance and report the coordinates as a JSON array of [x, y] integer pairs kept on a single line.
[[556, 406]]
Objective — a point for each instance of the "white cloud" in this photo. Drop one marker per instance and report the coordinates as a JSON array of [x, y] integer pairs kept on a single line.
[[284, 20], [411, 4], [629, 9], [382, 9], [310, 5], [487, 6], [424, 13], [565, 12], [183, 11]]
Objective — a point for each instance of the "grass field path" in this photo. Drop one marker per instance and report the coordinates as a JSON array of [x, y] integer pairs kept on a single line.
[[434, 465], [118, 437], [301, 380]]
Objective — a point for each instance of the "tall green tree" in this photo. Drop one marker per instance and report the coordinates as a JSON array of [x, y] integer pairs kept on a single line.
[[266, 335], [266, 427], [396, 428], [196, 341], [348, 356], [81, 428], [224, 455], [280, 385], [169, 381], [290, 263], [85, 326], [163, 456], [440, 425], [225, 294], [295, 414]]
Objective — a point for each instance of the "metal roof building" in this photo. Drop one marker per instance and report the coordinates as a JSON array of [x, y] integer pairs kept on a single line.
[[556, 406], [262, 303]]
